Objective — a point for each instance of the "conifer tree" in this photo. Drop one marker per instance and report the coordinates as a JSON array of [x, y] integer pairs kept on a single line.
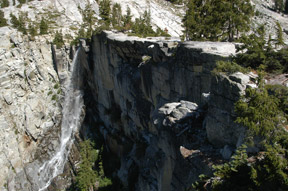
[[279, 40], [217, 19], [22, 22], [89, 19], [32, 30], [19, 24], [43, 26], [116, 15], [105, 11], [239, 14], [279, 5], [22, 1], [86, 176], [58, 39], [3, 21], [14, 20], [4, 3], [127, 20]]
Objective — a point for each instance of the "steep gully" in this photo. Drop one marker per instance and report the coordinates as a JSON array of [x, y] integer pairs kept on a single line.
[[155, 103]]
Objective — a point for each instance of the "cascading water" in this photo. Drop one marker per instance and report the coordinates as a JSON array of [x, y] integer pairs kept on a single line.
[[70, 122]]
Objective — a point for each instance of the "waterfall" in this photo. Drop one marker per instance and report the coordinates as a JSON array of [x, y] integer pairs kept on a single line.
[[72, 109]]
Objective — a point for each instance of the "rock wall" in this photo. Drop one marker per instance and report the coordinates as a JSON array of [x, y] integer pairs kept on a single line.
[[161, 145], [28, 109]]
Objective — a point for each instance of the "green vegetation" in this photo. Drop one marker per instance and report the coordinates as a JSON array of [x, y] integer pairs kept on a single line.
[[19, 24], [262, 112], [279, 40], [89, 19], [105, 10], [217, 19], [4, 3], [22, 1], [228, 67], [116, 18], [90, 174], [127, 19], [259, 53], [32, 30], [113, 19], [279, 5], [58, 41], [176, 1], [3, 21], [43, 26]]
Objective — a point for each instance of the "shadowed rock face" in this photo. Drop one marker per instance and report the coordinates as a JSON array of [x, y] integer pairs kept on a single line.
[[131, 79]]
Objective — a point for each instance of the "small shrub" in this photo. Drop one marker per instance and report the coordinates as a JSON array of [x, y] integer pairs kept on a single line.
[[3, 21], [43, 27], [58, 40], [228, 67]]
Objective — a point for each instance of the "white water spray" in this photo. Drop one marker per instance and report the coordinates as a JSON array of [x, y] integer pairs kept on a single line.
[[73, 105]]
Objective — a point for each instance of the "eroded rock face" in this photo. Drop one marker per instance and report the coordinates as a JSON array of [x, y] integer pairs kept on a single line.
[[138, 84], [29, 106], [225, 91]]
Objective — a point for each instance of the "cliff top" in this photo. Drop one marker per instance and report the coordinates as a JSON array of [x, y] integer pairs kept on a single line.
[[224, 49]]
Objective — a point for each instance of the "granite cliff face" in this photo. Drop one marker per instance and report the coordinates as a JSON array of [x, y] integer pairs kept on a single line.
[[28, 110], [164, 117], [156, 103]]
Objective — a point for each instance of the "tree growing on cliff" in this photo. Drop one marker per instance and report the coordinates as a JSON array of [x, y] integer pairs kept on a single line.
[[32, 30], [105, 11], [20, 23], [279, 5], [116, 18], [127, 19], [43, 26], [3, 21], [89, 20], [4, 3], [279, 40], [58, 39]]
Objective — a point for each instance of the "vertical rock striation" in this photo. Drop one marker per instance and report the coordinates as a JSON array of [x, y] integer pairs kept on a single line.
[[161, 145]]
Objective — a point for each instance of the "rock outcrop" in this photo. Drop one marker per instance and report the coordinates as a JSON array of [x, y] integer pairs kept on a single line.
[[29, 107], [139, 87]]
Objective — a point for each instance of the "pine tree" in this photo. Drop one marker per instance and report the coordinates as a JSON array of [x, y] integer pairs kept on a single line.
[[105, 11], [116, 15], [32, 30], [43, 26], [3, 21], [279, 5], [58, 39], [217, 19], [279, 40], [127, 19], [14, 21], [22, 22], [4, 3], [22, 1], [89, 19], [86, 176]]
